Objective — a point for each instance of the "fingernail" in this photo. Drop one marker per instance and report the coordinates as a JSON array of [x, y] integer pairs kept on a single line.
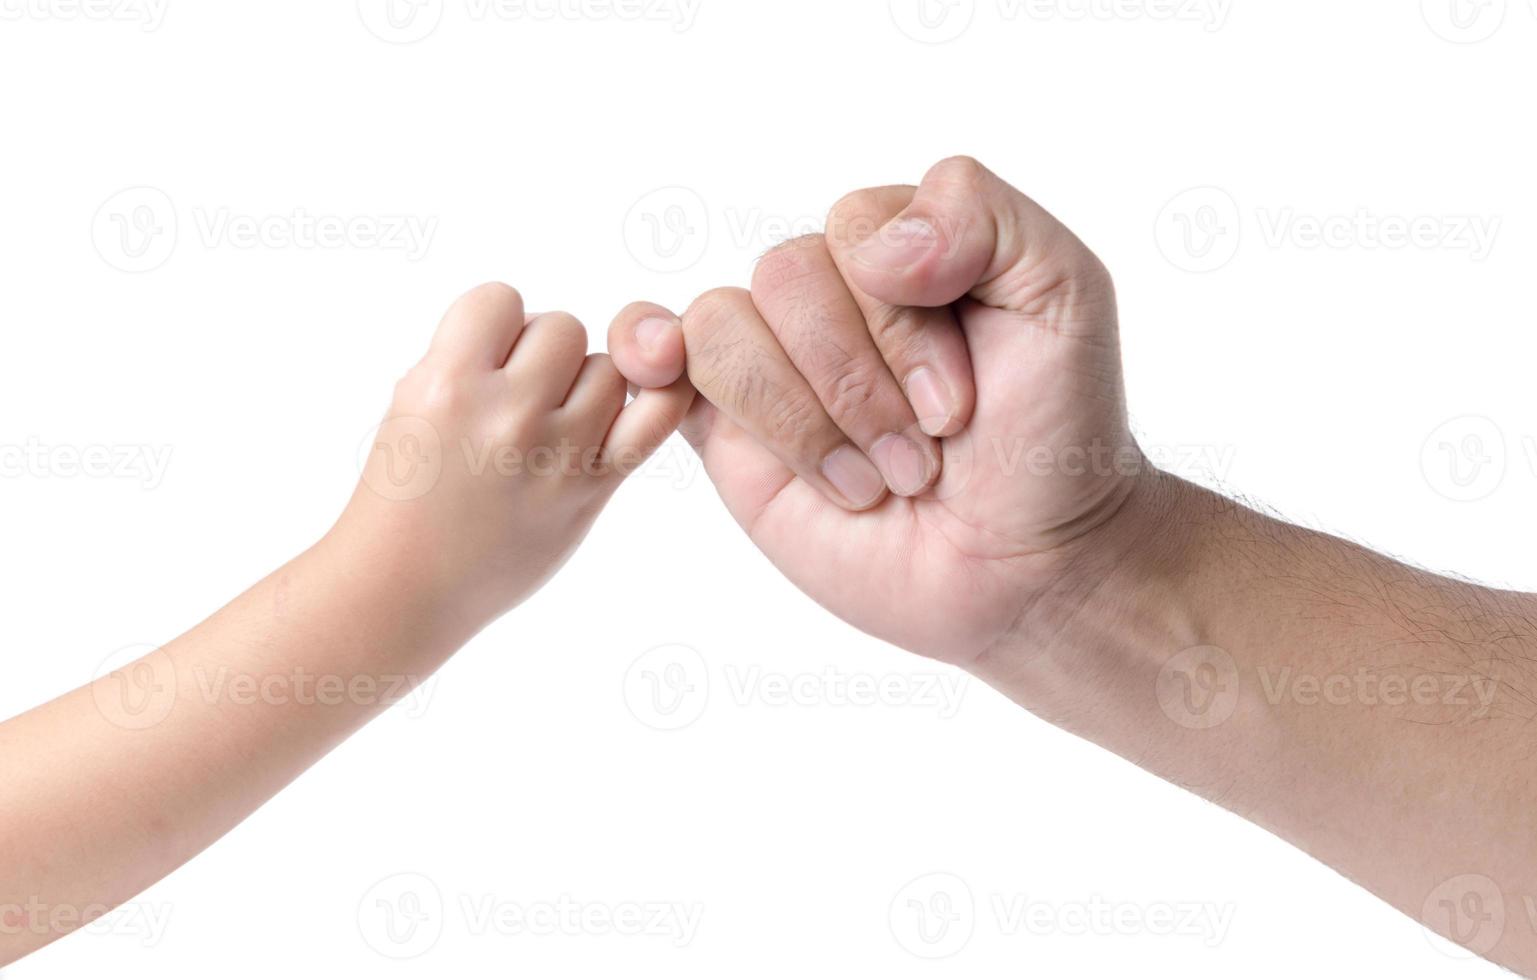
[[906, 466], [649, 332], [898, 245], [852, 474], [931, 400]]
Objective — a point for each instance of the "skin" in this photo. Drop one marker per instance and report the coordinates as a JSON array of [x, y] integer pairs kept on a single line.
[[464, 509], [1372, 714], [1035, 548]]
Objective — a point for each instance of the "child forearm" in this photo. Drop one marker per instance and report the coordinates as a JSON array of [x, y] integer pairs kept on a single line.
[[499, 450], [114, 785]]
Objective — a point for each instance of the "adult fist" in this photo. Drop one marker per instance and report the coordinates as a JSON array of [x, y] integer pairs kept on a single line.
[[1021, 499]]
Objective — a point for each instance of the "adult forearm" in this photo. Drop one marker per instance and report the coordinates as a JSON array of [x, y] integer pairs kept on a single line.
[[1371, 713]]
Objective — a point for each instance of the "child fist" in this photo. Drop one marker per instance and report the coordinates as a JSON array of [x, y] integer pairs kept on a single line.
[[499, 449]]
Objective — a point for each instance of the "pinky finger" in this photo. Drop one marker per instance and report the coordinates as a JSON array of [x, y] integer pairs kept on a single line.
[[645, 423], [646, 342]]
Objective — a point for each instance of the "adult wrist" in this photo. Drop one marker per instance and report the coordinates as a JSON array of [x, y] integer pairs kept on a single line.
[[1121, 649]]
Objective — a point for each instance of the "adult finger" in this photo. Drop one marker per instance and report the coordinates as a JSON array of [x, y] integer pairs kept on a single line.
[[736, 362], [801, 296], [923, 347]]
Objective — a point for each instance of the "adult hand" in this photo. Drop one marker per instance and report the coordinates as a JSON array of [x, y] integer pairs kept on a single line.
[[799, 379], [1145, 614]]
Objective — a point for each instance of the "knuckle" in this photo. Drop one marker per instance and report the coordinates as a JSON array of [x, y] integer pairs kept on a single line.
[[561, 321], [789, 262], [854, 205], [1092, 288], [433, 394], [900, 334], [404, 393], [855, 217], [566, 330], [714, 311], [850, 392], [963, 170], [495, 296], [719, 353], [790, 421], [893, 326], [1096, 273]]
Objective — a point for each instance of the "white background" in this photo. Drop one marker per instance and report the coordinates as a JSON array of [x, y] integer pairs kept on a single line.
[[1331, 382]]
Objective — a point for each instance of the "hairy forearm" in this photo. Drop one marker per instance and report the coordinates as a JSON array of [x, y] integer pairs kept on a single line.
[[1371, 713], [112, 786]]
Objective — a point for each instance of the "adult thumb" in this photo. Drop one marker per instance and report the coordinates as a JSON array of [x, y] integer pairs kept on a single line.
[[968, 233]]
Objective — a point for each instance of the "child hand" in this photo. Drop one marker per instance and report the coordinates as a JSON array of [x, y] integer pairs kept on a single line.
[[497, 453]]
